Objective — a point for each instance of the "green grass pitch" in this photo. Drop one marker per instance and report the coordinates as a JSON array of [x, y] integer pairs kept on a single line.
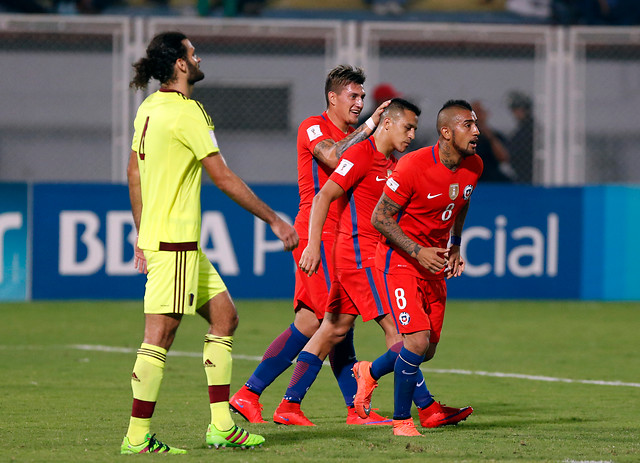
[[549, 381]]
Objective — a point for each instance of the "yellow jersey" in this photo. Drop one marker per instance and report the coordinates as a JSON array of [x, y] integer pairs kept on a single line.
[[172, 135]]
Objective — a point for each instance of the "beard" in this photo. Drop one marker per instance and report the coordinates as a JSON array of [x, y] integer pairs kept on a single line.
[[195, 74], [465, 151]]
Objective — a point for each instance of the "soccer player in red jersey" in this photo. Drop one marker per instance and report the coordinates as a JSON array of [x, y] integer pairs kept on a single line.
[[321, 142], [423, 207], [355, 185]]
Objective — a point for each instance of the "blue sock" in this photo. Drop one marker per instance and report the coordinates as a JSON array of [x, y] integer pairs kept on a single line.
[[421, 395], [384, 364], [405, 378], [305, 373], [277, 358], [342, 358]]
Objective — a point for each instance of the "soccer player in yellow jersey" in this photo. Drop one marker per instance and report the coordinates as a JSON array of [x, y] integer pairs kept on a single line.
[[173, 139]]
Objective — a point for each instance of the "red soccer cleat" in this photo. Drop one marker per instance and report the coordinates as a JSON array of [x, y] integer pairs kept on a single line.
[[405, 428], [372, 419], [366, 385], [289, 413], [246, 403], [436, 415]]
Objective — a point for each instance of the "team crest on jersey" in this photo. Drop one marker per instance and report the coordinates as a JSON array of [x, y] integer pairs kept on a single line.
[[314, 132], [466, 194], [404, 318], [454, 190], [389, 172]]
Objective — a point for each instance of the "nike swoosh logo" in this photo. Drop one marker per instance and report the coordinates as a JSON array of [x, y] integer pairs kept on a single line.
[[430, 196], [407, 373], [420, 383], [283, 418], [378, 179]]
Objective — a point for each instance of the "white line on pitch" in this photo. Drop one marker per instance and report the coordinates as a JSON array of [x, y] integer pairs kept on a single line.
[[128, 350]]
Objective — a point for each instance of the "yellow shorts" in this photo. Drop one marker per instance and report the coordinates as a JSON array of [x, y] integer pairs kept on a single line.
[[179, 282]]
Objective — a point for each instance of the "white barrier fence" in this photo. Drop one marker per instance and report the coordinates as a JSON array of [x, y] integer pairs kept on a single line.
[[67, 110]]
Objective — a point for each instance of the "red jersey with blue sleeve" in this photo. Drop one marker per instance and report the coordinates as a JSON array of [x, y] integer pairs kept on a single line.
[[430, 196], [362, 173], [312, 175]]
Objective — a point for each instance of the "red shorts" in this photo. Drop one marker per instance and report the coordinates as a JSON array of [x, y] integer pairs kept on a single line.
[[354, 292], [313, 291], [416, 304]]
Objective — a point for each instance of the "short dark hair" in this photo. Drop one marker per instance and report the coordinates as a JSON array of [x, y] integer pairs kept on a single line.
[[163, 51], [341, 76], [462, 104], [400, 104]]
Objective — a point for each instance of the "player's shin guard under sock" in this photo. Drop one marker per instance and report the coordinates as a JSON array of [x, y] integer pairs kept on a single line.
[[305, 373], [145, 384], [216, 357], [384, 364], [277, 358], [405, 379], [342, 358]]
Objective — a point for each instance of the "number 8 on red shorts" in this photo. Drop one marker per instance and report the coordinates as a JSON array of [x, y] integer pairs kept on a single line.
[[415, 304]]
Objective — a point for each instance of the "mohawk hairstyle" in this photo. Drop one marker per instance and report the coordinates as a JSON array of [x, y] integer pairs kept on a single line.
[[461, 104]]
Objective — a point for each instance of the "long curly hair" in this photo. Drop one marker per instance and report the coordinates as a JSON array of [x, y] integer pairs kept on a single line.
[[163, 51]]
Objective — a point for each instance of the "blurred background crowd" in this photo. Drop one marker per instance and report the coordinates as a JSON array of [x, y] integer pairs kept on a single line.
[[562, 12]]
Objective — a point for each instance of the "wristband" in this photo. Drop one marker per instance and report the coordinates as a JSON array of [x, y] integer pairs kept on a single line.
[[455, 240], [369, 123]]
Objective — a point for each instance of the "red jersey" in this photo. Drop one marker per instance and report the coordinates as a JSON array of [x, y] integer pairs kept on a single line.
[[431, 197], [362, 173], [312, 175]]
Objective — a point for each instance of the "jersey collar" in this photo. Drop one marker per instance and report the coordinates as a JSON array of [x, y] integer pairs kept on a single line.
[[170, 90], [435, 152], [325, 116]]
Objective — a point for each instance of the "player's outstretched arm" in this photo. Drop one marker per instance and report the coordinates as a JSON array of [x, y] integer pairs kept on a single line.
[[135, 196], [433, 259], [234, 187], [310, 259], [329, 152]]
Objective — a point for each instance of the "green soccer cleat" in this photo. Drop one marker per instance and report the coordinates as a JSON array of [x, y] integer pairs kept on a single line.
[[150, 445], [234, 437]]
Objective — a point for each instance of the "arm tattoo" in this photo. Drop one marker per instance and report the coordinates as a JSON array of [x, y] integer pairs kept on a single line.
[[354, 137], [323, 148], [384, 222]]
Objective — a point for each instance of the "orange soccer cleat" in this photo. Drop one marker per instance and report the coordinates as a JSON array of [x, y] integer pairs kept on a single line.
[[372, 419], [405, 428], [366, 385]]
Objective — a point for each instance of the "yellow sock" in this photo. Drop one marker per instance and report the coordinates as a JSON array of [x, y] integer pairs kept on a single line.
[[138, 430], [145, 384], [216, 357]]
